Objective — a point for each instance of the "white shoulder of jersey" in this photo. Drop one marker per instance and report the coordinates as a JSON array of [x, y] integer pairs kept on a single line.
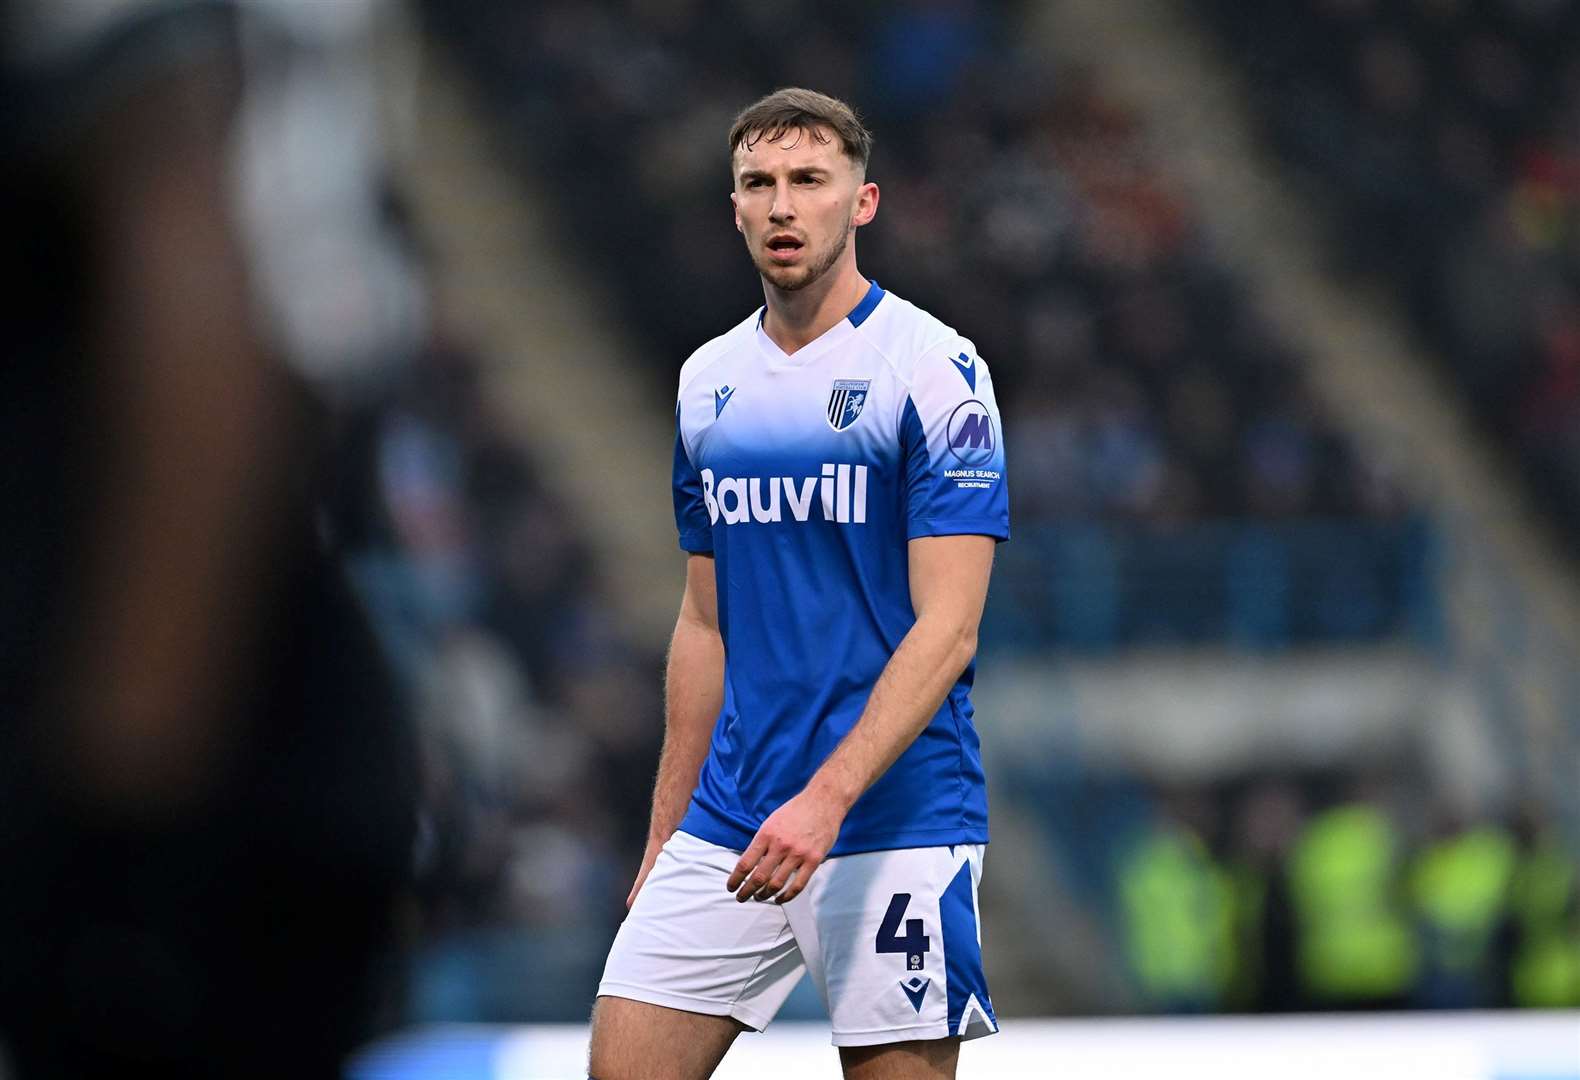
[[716, 350], [907, 336]]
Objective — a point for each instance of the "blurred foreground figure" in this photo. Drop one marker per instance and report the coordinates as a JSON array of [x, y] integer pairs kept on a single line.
[[206, 778]]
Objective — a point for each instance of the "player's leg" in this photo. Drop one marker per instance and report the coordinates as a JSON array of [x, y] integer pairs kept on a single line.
[[689, 970], [632, 1040], [930, 1059], [892, 939]]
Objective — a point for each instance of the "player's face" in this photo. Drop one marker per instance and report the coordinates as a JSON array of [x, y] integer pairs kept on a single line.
[[797, 201]]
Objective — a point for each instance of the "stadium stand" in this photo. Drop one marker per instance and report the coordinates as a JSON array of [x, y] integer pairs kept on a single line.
[[536, 709], [1440, 139]]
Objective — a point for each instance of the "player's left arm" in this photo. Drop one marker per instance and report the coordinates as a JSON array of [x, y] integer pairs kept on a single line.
[[949, 581]]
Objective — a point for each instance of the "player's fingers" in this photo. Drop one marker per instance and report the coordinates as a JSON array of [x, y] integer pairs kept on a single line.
[[749, 859], [782, 877], [777, 879], [758, 879], [794, 888]]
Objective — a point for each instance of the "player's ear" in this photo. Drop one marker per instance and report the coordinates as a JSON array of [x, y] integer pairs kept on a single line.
[[735, 204], [866, 204]]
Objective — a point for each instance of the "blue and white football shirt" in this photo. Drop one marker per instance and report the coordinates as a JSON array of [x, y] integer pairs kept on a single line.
[[805, 476]]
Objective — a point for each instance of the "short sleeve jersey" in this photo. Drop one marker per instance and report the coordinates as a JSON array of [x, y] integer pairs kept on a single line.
[[805, 476]]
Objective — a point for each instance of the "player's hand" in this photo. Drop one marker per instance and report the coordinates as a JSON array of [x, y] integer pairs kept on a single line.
[[649, 857], [786, 851]]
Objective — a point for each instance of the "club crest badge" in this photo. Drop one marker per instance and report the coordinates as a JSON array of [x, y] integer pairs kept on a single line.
[[845, 402]]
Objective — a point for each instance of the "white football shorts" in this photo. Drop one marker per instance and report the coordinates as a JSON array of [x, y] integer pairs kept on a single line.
[[891, 938]]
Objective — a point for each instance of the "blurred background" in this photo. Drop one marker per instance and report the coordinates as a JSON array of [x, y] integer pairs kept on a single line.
[[1279, 689]]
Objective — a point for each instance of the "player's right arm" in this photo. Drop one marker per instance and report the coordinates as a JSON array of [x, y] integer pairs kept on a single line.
[[693, 695]]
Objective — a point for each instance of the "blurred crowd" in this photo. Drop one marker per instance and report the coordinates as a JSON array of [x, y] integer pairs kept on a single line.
[[1142, 388], [1444, 137], [1313, 891], [538, 719]]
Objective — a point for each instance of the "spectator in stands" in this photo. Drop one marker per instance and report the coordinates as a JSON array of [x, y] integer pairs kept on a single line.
[[1355, 946], [1459, 883], [1544, 901], [1176, 911]]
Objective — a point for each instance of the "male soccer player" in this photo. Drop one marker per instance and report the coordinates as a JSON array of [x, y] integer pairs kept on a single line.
[[839, 487]]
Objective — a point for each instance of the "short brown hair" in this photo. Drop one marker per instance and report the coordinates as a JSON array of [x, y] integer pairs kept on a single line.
[[792, 107]]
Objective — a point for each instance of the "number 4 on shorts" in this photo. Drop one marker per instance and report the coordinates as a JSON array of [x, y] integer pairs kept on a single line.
[[913, 944]]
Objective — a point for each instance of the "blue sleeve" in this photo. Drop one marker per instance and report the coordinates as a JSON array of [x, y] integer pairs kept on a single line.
[[953, 448], [691, 510]]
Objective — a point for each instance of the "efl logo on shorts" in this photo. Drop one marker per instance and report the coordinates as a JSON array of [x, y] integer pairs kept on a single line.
[[845, 402], [970, 433]]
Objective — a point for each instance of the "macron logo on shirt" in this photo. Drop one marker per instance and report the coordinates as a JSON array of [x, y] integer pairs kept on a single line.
[[721, 398], [841, 492], [967, 366]]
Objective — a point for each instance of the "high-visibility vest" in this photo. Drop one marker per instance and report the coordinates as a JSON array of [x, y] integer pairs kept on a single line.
[[1353, 941], [1460, 886], [1177, 915], [1545, 972]]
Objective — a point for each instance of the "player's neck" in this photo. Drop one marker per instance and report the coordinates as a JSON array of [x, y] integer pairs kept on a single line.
[[796, 319]]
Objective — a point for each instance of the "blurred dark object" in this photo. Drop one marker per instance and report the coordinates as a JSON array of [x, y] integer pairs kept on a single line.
[[207, 774]]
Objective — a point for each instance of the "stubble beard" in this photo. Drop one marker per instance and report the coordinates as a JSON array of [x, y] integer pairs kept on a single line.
[[794, 279]]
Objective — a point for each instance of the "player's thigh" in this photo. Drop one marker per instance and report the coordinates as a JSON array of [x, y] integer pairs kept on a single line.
[[688, 944], [893, 940], [929, 1059], [632, 1040]]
